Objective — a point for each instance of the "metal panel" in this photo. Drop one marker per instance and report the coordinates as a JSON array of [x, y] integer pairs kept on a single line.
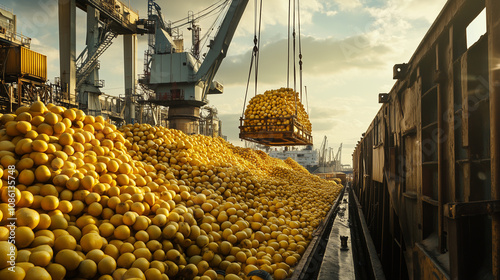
[[378, 164], [25, 62], [493, 29], [447, 122]]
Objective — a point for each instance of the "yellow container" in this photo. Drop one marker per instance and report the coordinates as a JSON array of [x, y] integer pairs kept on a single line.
[[25, 62]]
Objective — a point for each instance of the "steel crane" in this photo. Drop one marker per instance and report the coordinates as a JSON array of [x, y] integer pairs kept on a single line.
[[178, 78]]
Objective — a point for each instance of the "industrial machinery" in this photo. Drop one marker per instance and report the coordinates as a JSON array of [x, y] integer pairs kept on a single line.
[[106, 19], [427, 170], [210, 124], [23, 72], [180, 79]]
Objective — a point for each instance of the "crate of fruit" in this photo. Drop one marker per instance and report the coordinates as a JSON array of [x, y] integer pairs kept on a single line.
[[276, 118]]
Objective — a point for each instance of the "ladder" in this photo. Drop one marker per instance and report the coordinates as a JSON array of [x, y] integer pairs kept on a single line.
[[86, 64]]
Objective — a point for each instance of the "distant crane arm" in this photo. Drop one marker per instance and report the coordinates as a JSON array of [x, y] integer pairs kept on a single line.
[[220, 44], [159, 16]]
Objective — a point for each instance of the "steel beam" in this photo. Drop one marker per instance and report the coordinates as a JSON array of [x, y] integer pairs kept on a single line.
[[493, 30], [130, 70], [67, 45]]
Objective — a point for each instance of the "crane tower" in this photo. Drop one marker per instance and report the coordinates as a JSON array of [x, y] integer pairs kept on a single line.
[[178, 78]]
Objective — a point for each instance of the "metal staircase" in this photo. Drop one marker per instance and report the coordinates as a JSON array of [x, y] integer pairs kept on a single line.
[[85, 64]]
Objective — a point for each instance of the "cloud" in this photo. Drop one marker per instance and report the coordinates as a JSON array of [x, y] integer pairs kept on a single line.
[[348, 5], [419, 9], [331, 13], [321, 57]]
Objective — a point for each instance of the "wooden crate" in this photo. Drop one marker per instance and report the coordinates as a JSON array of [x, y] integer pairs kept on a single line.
[[269, 133]]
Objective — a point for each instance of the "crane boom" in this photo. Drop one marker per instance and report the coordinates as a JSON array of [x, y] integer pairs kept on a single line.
[[220, 45]]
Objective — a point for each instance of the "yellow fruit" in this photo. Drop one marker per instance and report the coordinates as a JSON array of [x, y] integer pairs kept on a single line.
[[59, 128], [7, 146], [58, 222], [66, 139], [154, 199], [45, 129], [50, 202], [42, 173], [24, 236], [27, 217], [14, 273], [87, 269], [44, 223], [23, 127], [133, 273], [68, 258], [40, 158], [107, 265], [122, 232], [126, 260], [38, 107], [24, 163], [8, 254], [70, 114], [96, 255], [7, 161], [51, 118], [153, 274], [57, 163], [190, 271], [87, 182], [91, 241], [65, 242], [37, 273], [23, 116], [232, 277], [57, 271], [40, 258]]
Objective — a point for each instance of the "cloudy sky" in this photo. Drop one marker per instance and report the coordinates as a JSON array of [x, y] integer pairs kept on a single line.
[[348, 47]]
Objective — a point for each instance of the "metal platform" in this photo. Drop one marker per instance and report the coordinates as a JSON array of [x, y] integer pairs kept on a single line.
[[270, 133]]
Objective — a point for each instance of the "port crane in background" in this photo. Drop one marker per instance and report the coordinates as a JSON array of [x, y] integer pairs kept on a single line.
[[329, 161], [180, 79]]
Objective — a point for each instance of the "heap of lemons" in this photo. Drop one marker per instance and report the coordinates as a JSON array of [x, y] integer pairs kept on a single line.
[[144, 202], [274, 110]]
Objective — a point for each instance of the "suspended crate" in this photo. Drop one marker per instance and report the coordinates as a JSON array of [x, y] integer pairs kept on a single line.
[[269, 133], [276, 118]]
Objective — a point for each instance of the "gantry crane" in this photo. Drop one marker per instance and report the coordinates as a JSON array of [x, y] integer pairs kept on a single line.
[[79, 80]]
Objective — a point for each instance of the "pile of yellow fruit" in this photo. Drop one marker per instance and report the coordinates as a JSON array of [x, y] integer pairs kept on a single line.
[[274, 110], [81, 199]]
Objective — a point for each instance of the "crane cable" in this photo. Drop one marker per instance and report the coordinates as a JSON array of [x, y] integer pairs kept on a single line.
[[255, 53], [300, 49], [201, 13], [288, 48], [296, 13], [294, 64]]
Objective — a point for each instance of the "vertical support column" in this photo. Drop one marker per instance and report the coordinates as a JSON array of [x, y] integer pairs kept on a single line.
[[441, 138], [130, 57], [20, 85], [450, 115], [93, 34], [493, 30], [67, 45], [458, 264], [89, 91]]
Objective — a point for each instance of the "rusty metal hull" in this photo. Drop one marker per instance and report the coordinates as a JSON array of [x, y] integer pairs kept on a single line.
[[427, 170]]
